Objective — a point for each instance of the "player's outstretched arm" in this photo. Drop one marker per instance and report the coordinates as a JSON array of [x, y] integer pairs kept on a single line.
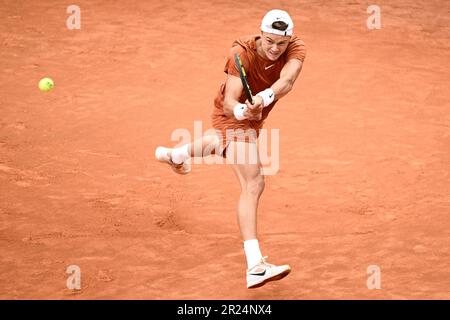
[[288, 75]]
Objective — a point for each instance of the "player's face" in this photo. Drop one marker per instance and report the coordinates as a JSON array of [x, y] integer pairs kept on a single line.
[[273, 45]]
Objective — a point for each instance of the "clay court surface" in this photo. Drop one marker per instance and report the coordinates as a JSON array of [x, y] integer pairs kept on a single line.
[[364, 153]]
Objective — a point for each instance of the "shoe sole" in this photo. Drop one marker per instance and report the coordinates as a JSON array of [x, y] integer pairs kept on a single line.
[[274, 278]]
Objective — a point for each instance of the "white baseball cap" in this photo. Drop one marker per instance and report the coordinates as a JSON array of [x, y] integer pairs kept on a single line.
[[276, 15]]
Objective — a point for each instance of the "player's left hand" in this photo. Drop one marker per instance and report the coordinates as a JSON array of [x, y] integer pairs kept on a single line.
[[255, 110]]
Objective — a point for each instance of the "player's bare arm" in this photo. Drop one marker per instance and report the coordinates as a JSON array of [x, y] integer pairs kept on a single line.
[[233, 90], [280, 88], [288, 75]]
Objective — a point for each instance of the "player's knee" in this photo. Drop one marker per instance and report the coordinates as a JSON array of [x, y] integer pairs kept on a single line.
[[255, 186], [215, 140], [211, 140]]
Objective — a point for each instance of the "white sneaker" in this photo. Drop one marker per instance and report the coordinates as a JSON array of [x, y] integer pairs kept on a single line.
[[265, 272], [163, 154]]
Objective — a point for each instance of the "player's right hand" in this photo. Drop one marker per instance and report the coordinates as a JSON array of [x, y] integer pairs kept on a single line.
[[254, 111], [252, 114]]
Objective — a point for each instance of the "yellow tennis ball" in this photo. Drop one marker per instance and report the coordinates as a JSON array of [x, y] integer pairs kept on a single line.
[[46, 84]]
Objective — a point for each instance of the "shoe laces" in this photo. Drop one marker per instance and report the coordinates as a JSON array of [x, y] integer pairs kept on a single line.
[[262, 264], [263, 261]]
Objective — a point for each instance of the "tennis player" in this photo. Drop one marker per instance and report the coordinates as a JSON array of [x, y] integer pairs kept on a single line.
[[273, 60]]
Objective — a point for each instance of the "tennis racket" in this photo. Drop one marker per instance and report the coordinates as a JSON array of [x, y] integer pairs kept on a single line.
[[240, 67]]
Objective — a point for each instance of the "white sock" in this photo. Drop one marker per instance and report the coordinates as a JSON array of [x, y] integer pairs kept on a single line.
[[252, 252], [181, 154]]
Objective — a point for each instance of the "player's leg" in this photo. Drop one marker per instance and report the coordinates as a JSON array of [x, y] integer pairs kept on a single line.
[[178, 158], [252, 186]]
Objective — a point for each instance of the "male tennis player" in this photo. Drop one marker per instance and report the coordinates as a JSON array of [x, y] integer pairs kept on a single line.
[[272, 60]]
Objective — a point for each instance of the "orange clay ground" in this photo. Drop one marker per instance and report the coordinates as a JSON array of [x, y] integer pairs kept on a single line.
[[364, 153]]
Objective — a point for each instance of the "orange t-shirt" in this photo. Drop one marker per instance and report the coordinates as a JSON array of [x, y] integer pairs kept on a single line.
[[261, 74]]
